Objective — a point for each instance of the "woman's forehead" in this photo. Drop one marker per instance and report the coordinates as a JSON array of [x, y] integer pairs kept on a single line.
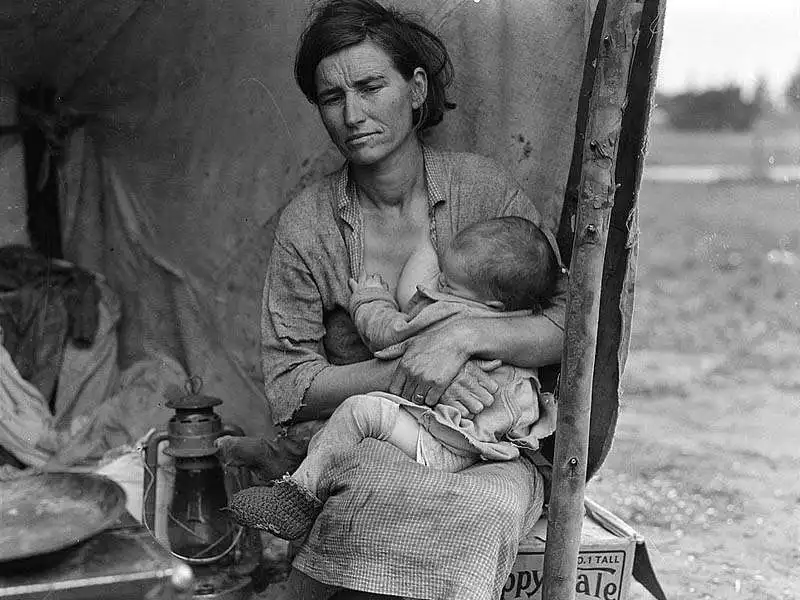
[[354, 64]]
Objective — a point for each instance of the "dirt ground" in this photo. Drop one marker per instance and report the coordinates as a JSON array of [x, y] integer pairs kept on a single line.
[[706, 460]]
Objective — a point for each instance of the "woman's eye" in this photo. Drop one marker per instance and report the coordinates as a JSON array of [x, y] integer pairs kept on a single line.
[[328, 100]]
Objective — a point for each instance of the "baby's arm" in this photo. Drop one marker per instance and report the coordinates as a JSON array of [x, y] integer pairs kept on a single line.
[[376, 314]]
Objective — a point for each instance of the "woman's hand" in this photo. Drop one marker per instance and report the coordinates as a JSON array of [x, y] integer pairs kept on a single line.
[[429, 362]]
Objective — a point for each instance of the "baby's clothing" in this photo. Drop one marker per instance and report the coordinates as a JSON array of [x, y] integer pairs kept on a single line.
[[521, 414], [435, 455], [370, 416]]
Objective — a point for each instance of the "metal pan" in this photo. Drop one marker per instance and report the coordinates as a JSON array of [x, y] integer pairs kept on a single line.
[[51, 511]]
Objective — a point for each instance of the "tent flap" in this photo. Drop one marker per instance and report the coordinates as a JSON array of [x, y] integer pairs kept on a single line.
[[196, 136]]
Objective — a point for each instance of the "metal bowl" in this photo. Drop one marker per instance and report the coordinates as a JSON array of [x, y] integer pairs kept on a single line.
[[51, 511]]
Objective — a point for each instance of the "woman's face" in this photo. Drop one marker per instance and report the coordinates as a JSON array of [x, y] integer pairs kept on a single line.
[[366, 104]]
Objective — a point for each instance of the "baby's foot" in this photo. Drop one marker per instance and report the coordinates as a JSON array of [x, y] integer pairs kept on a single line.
[[284, 508]]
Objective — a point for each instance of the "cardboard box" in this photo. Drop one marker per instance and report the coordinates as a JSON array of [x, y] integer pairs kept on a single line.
[[605, 559]]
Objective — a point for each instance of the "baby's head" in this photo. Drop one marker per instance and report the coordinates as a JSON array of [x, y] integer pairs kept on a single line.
[[506, 263]]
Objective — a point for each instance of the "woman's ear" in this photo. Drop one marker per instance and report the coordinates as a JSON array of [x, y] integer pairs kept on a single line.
[[419, 87]]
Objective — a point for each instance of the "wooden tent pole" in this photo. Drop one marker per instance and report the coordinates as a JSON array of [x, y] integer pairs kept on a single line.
[[592, 219], [13, 195]]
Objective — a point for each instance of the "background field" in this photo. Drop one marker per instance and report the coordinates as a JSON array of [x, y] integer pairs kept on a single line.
[[777, 137], [706, 460]]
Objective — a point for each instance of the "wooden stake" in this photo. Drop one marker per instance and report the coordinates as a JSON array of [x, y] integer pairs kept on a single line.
[[595, 201], [13, 195]]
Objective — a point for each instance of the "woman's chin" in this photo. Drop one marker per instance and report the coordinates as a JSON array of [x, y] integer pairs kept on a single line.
[[370, 155], [366, 156]]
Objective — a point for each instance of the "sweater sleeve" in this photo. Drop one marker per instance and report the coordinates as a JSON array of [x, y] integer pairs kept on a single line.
[[292, 329], [378, 318]]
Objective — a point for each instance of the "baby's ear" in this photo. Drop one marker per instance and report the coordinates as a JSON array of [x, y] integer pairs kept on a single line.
[[496, 304]]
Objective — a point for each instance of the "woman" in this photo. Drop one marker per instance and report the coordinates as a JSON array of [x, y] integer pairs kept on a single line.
[[378, 80]]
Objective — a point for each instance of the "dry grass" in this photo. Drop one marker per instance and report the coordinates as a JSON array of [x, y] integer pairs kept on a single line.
[[778, 139], [706, 462]]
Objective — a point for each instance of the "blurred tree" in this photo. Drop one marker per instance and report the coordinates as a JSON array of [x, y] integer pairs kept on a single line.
[[715, 110], [792, 93], [762, 98]]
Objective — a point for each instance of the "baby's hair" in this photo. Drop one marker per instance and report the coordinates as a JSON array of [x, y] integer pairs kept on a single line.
[[508, 259]]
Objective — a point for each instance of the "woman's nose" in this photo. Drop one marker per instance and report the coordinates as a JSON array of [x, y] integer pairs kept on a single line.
[[353, 110]]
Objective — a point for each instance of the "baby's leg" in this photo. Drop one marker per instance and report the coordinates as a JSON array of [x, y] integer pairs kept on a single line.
[[288, 507], [357, 418], [434, 454], [405, 434]]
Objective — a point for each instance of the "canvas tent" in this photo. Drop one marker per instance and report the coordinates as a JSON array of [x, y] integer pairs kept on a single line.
[[177, 136], [185, 135]]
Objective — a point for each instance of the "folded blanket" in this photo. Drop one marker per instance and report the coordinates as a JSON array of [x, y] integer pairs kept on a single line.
[[392, 526]]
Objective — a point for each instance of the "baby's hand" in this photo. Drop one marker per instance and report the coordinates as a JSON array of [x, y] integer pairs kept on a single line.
[[365, 281], [373, 280]]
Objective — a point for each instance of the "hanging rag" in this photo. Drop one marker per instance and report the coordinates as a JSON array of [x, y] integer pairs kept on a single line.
[[44, 304]]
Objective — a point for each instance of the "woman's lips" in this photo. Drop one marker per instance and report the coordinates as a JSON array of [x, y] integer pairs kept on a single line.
[[358, 139]]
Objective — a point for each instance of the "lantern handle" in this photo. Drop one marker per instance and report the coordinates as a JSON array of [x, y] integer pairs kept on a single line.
[[193, 385], [149, 482]]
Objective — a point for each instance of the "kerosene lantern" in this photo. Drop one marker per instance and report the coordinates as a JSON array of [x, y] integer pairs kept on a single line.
[[222, 554]]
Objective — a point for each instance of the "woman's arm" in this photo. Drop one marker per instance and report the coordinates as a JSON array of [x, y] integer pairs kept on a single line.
[[300, 382], [334, 384], [521, 341], [433, 358]]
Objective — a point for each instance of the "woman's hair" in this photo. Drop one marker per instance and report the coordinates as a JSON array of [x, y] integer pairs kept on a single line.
[[337, 24], [508, 259]]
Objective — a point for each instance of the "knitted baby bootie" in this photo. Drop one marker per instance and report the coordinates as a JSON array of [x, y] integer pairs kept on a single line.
[[283, 507]]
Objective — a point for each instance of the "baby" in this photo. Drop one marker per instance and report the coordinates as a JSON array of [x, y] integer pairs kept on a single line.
[[493, 268]]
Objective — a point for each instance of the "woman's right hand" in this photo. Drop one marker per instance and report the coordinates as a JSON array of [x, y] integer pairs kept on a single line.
[[473, 389]]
